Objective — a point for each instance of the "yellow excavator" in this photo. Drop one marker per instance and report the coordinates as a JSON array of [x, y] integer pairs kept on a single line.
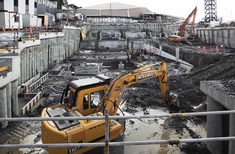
[[90, 97]]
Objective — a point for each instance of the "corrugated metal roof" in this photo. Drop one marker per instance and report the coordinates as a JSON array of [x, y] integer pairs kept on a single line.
[[136, 12], [89, 12], [117, 9], [112, 5]]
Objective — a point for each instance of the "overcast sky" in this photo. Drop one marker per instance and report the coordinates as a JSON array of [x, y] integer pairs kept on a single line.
[[181, 8]]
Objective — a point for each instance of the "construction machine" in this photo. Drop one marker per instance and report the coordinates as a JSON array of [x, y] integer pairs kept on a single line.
[[180, 35], [90, 97]]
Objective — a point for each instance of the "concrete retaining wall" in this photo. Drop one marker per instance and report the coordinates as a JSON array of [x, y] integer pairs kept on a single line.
[[154, 28], [221, 36], [197, 59], [35, 59]]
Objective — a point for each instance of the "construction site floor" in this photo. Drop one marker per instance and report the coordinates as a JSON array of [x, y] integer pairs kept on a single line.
[[139, 99]]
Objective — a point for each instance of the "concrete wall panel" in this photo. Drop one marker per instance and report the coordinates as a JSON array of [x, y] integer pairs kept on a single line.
[[35, 59], [3, 108], [9, 5], [21, 8], [221, 36]]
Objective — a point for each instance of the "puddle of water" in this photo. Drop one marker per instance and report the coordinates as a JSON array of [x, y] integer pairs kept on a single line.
[[144, 130]]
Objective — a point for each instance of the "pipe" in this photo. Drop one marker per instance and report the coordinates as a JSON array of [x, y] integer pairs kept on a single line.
[[174, 141], [120, 117], [106, 149]]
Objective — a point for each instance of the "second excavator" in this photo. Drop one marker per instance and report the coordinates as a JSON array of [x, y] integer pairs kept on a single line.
[[90, 97]]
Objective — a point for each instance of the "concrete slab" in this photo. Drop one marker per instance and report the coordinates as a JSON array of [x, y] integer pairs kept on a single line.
[[220, 96], [219, 92]]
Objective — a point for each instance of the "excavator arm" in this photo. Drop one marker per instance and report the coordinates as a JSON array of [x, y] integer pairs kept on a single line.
[[116, 87], [184, 24]]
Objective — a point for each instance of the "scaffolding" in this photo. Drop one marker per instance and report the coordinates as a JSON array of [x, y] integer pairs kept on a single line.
[[210, 10]]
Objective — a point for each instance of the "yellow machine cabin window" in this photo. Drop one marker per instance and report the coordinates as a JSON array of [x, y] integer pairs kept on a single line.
[[72, 99], [89, 100], [85, 102], [96, 98]]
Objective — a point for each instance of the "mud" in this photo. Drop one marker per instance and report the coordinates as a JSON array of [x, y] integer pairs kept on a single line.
[[144, 98]]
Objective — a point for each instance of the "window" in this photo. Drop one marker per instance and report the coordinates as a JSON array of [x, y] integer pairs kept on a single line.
[[96, 98], [35, 4], [15, 2], [85, 102], [16, 18], [27, 2], [72, 99]]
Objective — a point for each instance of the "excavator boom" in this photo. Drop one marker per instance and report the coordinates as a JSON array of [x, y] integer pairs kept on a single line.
[[145, 73]]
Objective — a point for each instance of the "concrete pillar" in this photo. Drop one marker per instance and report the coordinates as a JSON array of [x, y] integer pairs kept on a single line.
[[34, 61], [8, 92], [214, 126], [27, 65], [14, 98], [232, 133], [3, 104], [177, 54], [24, 72], [160, 49], [30, 66]]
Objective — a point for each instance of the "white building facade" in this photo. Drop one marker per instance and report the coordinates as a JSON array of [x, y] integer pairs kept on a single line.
[[16, 14]]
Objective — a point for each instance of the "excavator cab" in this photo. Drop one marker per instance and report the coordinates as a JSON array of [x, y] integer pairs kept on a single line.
[[86, 95]]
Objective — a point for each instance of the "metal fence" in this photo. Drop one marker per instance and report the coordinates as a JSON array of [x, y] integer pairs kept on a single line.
[[107, 143]]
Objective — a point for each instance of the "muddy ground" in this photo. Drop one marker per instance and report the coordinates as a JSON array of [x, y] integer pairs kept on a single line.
[[139, 99]]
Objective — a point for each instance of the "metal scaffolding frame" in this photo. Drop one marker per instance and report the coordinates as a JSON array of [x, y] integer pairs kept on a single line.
[[210, 10], [107, 143]]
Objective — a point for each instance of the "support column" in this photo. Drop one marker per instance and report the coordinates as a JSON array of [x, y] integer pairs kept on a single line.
[[8, 93], [3, 104], [14, 98], [214, 126], [177, 54], [232, 133], [160, 49]]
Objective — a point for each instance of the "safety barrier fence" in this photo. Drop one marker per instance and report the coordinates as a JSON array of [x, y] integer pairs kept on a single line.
[[106, 143], [211, 49]]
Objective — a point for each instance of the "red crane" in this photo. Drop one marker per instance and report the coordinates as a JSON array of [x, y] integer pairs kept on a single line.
[[182, 28], [180, 35]]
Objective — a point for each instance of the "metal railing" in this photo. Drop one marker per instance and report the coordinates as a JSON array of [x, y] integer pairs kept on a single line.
[[107, 143]]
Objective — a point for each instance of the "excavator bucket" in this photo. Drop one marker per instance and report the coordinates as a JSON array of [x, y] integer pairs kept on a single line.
[[173, 103]]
